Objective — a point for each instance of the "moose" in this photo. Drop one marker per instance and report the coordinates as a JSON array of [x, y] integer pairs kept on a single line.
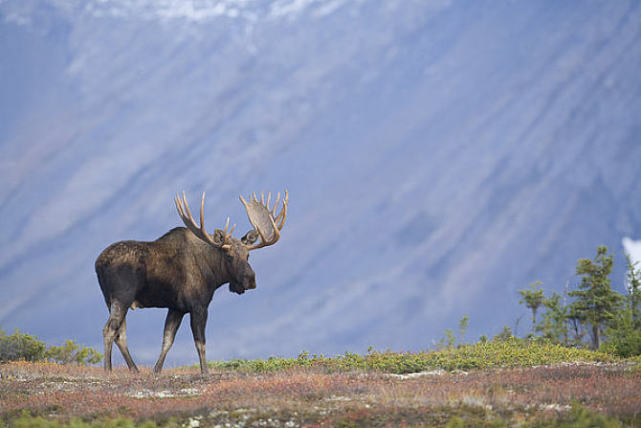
[[180, 271]]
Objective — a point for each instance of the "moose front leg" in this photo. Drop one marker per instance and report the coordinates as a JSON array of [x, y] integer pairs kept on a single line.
[[198, 321], [172, 322]]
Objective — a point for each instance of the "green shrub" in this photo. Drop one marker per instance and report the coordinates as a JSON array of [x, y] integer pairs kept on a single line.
[[20, 346], [24, 347], [624, 336], [505, 352], [505, 335], [29, 421], [579, 417], [71, 352]]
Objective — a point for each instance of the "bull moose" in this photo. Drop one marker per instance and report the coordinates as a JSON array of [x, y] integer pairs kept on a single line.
[[180, 271]]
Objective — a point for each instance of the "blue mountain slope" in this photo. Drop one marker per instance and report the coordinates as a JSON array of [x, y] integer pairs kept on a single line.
[[439, 156]]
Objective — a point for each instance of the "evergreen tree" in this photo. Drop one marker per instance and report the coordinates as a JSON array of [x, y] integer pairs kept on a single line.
[[624, 337], [633, 285], [624, 333], [554, 326], [533, 299], [596, 304], [576, 318], [462, 327]]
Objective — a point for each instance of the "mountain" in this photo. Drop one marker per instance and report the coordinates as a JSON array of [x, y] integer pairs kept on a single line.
[[439, 156]]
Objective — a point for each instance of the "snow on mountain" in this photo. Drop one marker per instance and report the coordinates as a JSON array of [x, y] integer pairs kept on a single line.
[[439, 156]]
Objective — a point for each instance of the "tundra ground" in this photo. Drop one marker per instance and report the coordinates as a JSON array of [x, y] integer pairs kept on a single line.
[[597, 394]]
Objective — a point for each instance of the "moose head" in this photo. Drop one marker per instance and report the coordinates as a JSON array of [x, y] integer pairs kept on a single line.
[[267, 226]]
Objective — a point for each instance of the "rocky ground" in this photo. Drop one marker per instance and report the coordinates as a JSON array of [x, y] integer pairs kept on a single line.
[[315, 397]]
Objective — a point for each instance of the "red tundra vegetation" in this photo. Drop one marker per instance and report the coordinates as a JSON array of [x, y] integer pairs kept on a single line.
[[317, 397]]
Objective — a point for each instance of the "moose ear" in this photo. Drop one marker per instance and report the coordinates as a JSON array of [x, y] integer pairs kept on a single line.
[[219, 237], [250, 237]]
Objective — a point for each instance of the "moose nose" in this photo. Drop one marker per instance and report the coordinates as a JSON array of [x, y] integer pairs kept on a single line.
[[251, 281]]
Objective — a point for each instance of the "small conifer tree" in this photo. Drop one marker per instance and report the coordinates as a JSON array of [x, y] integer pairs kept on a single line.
[[624, 332], [596, 304], [633, 284], [554, 325], [533, 299]]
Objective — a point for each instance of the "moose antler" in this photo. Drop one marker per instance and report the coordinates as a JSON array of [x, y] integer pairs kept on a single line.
[[200, 232], [264, 219]]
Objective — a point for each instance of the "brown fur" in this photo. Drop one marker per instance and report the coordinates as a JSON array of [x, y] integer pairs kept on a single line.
[[177, 271]]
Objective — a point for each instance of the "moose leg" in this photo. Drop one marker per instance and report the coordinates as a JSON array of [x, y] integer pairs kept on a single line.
[[172, 322], [116, 317], [121, 341], [198, 322]]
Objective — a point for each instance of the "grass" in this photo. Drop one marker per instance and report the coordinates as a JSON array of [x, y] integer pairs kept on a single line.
[[577, 417], [28, 421], [484, 355]]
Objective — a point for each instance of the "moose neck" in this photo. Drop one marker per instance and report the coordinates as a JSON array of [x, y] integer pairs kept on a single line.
[[212, 264], [220, 271]]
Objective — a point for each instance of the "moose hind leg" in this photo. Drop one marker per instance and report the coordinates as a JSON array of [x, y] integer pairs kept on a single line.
[[109, 333], [172, 322], [198, 322], [121, 341]]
